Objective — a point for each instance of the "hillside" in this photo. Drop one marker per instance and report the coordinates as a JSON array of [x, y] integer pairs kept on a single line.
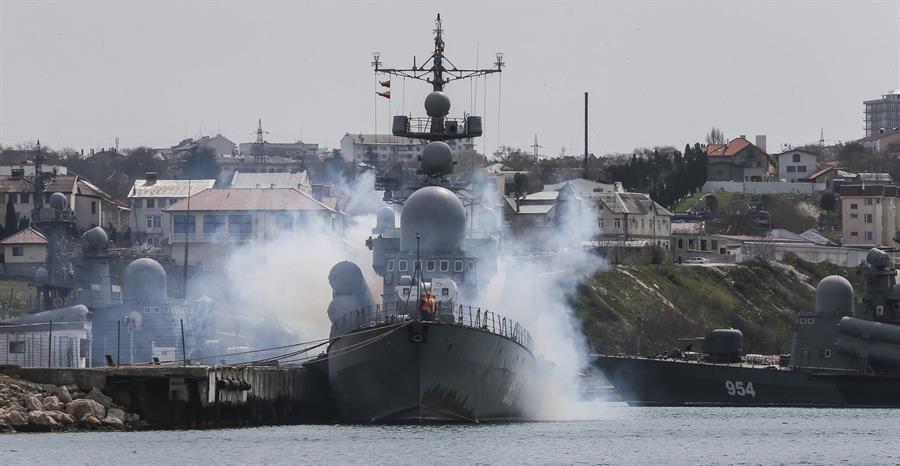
[[672, 301]]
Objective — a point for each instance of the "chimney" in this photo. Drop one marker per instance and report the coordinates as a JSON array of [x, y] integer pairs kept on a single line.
[[151, 177], [761, 142], [743, 136]]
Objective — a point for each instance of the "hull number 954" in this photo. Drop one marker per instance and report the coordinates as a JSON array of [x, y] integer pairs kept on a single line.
[[739, 388]]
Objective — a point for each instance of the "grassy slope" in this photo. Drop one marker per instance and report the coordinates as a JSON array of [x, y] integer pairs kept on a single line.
[[22, 294], [761, 299]]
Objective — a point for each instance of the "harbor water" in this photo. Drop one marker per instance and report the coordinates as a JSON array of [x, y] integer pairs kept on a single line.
[[612, 434]]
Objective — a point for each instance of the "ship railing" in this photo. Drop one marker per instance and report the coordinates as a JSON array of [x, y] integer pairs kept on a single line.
[[459, 314]]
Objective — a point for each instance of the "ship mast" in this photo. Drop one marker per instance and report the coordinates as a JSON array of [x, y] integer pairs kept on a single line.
[[438, 71]]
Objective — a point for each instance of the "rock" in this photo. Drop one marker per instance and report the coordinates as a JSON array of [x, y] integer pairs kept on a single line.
[[49, 388], [115, 413], [13, 406], [64, 419], [16, 419], [113, 422], [132, 418], [41, 421], [91, 421], [63, 395], [52, 403], [99, 397], [33, 404], [83, 408]]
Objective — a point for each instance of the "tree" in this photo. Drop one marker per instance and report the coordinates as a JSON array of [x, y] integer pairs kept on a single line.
[[828, 202], [24, 222], [11, 218], [201, 164], [715, 136]]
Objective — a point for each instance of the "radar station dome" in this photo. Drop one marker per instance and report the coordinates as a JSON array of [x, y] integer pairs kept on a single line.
[[144, 280], [95, 238], [437, 158], [58, 201], [438, 216], [834, 296], [385, 219], [345, 278], [437, 104]]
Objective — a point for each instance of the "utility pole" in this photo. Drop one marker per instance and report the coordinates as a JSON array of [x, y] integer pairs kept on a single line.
[[585, 134]]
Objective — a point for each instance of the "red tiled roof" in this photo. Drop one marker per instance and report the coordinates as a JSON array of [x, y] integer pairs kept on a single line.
[[249, 199], [727, 150], [816, 174], [26, 236]]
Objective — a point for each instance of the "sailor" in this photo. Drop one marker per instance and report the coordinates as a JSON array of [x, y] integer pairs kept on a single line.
[[428, 303]]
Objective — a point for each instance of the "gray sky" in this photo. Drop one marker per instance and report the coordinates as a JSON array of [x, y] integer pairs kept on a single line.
[[79, 74]]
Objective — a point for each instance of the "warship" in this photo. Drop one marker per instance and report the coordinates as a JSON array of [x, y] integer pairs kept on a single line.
[[842, 356], [426, 353]]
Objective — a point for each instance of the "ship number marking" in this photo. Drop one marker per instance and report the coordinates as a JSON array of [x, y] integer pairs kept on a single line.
[[740, 388]]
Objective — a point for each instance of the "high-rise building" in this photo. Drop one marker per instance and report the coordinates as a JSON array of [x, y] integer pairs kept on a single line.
[[883, 114]]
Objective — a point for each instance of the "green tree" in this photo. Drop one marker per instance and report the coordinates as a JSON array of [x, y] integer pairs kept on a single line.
[[200, 164], [828, 202], [11, 219]]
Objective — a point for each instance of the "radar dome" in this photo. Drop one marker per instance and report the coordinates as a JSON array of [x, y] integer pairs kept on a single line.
[[385, 219], [878, 258], [95, 238], [58, 201], [144, 280], [437, 104], [437, 159], [345, 278], [834, 296], [41, 276], [438, 216]]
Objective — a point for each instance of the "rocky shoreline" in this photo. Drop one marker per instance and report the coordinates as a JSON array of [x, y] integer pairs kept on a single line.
[[30, 407]]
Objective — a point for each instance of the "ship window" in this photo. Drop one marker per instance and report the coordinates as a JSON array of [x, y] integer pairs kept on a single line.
[[403, 266], [445, 266], [879, 310], [457, 266], [471, 266], [154, 310], [429, 265], [445, 291], [390, 265], [802, 321], [828, 353], [810, 321]]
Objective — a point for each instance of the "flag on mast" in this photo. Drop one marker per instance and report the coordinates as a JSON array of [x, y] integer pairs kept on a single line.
[[385, 94], [385, 83]]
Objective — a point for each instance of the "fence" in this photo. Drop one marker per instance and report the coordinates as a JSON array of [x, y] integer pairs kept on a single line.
[[467, 316]]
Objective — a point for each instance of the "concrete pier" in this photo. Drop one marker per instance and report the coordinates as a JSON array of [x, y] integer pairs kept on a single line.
[[203, 396]]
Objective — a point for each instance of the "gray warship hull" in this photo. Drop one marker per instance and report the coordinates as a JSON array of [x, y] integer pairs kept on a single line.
[[657, 382], [416, 372]]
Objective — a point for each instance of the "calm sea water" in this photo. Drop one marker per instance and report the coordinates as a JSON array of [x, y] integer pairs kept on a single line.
[[614, 434]]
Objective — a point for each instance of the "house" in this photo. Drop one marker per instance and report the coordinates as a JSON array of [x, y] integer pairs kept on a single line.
[[525, 215], [585, 188], [149, 196], [23, 252], [91, 205], [823, 176], [796, 165], [738, 160], [869, 214], [297, 180], [882, 141], [633, 216], [219, 219], [220, 145], [389, 148], [291, 150], [231, 165]]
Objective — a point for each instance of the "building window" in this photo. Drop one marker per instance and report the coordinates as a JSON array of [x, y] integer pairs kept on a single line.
[[429, 265], [116, 293], [791, 169], [18, 251], [801, 168], [404, 266], [796, 157], [854, 206], [213, 224], [185, 224], [284, 222], [95, 290], [94, 207], [239, 224], [152, 309], [154, 221], [854, 215], [869, 201], [867, 218], [445, 266], [390, 265], [854, 233], [457, 266], [868, 236], [151, 203], [618, 223], [17, 347]]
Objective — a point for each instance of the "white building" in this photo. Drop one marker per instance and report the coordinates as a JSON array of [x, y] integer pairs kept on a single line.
[[296, 180], [58, 338], [795, 165], [634, 216], [148, 198]]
